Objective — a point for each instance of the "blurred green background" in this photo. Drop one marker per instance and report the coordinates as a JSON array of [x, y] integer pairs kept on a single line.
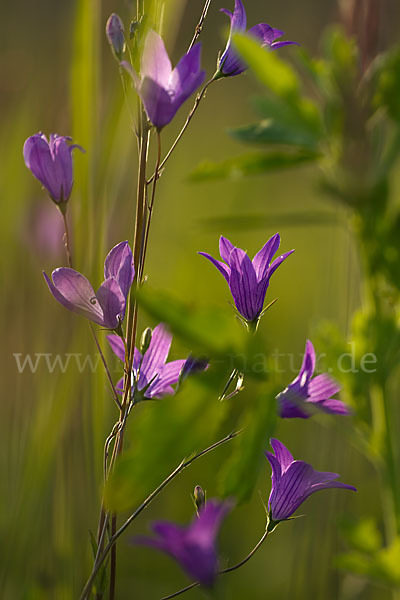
[[58, 75]]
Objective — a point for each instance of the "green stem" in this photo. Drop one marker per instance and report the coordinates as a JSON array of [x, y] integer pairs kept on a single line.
[[197, 101], [101, 557]]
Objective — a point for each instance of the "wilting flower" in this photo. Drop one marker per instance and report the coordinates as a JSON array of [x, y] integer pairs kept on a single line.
[[248, 280], [229, 62], [107, 306], [151, 374], [305, 393], [162, 89], [51, 163], [293, 481], [115, 35], [193, 547]]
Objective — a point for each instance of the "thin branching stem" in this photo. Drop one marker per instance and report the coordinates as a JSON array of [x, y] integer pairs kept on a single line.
[[67, 241], [150, 207], [182, 465], [197, 101], [200, 24]]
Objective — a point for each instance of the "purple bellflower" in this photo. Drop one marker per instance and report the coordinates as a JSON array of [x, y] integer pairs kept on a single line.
[[248, 280], [162, 89], [293, 481], [107, 306], [193, 547], [307, 393], [51, 163], [115, 35], [151, 374], [229, 63]]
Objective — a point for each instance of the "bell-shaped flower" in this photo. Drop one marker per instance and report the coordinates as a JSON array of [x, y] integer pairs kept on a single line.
[[51, 163], [293, 481], [152, 375], [248, 279], [229, 63], [306, 393], [162, 89], [194, 546], [107, 306]]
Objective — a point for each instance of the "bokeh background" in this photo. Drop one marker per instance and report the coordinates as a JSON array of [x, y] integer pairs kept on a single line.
[[58, 75]]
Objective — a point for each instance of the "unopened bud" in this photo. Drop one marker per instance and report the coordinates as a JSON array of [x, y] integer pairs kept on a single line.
[[145, 340], [199, 496], [115, 35]]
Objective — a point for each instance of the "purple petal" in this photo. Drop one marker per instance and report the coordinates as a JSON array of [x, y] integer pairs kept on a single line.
[[63, 165], [264, 33], [119, 386], [263, 258], [331, 484], [243, 284], [290, 405], [117, 346], [194, 546], [277, 33], [278, 261], [227, 12], [187, 90], [225, 248], [282, 454], [112, 301], [275, 466], [185, 76], [167, 375], [193, 365], [277, 45], [75, 293], [204, 529], [296, 484], [322, 387], [291, 491], [308, 364], [222, 268], [39, 160], [335, 407], [155, 63], [157, 102], [238, 18], [230, 63], [119, 264], [155, 356]]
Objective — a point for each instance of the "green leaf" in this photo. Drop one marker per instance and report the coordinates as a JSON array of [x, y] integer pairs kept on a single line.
[[162, 434], [388, 84], [362, 535], [269, 131], [206, 331], [303, 116], [251, 164], [271, 70], [240, 474], [383, 566]]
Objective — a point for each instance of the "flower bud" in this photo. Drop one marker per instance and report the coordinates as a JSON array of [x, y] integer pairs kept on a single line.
[[199, 496], [145, 340], [115, 35]]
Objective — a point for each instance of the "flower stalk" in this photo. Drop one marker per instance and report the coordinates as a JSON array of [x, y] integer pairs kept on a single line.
[[112, 541]]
